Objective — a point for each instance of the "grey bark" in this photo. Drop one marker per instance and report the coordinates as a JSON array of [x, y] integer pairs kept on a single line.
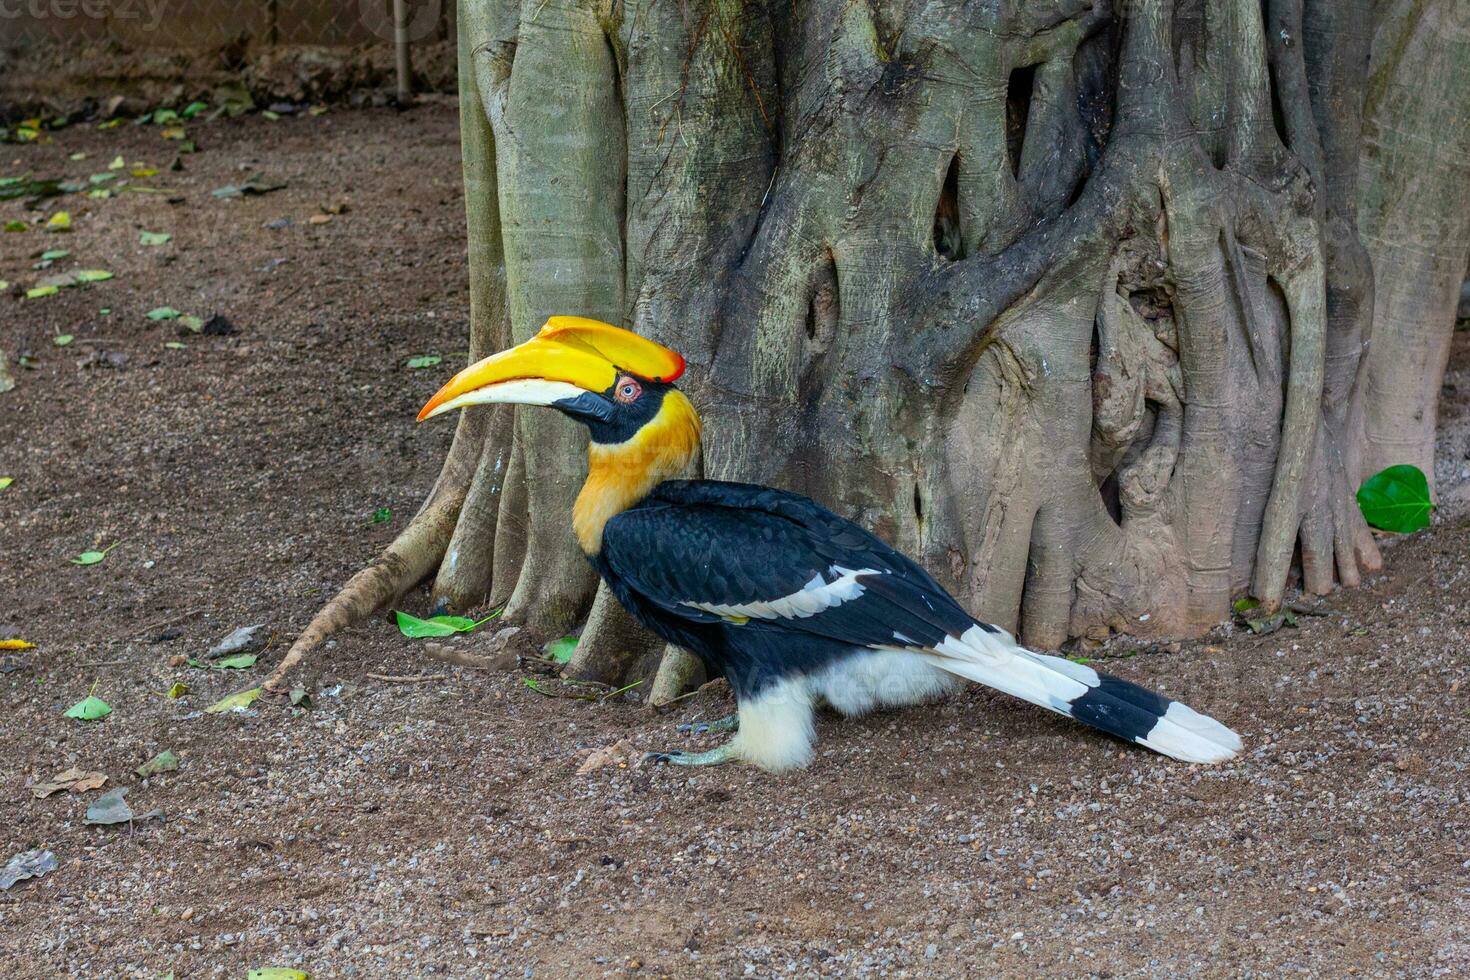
[[1415, 219]]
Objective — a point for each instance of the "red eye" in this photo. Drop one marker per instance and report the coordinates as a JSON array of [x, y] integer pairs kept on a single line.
[[627, 390]]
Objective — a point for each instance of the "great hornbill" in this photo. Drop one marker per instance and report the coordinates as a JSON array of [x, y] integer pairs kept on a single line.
[[789, 602]]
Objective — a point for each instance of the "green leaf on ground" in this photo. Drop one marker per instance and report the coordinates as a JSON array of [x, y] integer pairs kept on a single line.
[[381, 516], [1262, 627], [175, 345], [239, 661], [424, 362], [272, 116], [164, 761], [154, 238], [60, 221], [17, 187], [276, 973], [193, 109], [238, 701], [41, 292], [1396, 499], [1246, 604], [561, 650], [16, 226], [93, 275], [255, 185], [89, 708], [117, 163], [162, 117], [163, 313], [177, 691], [62, 339], [6, 481], [54, 254], [93, 557], [415, 628]]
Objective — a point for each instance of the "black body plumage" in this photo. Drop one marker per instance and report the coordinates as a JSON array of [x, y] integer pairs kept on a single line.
[[767, 587], [719, 543]]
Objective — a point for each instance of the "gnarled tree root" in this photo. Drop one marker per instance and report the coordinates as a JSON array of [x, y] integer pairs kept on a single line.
[[411, 556]]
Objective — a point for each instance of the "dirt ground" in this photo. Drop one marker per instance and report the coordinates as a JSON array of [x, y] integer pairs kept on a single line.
[[440, 827]]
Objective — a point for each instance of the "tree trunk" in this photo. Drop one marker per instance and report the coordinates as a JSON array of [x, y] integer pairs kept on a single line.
[[1415, 219], [1067, 300]]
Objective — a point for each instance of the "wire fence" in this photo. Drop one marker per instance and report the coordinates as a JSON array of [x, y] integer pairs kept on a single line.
[[73, 37], [205, 24]]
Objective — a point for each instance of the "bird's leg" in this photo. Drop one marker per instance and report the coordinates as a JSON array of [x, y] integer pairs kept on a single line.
[[714, 757], [730, 723]]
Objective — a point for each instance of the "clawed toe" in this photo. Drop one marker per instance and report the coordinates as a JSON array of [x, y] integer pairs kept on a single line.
[[730, 723], [714, 757]]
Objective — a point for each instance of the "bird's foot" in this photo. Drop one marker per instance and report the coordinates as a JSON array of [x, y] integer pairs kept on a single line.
[[730, 723], [713, 757]]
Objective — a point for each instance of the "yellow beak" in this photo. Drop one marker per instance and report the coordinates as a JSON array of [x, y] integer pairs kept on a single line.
[[570, 355]]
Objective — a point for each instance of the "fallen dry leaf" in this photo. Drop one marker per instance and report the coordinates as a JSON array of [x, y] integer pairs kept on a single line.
[[73, 779], [620, 753]]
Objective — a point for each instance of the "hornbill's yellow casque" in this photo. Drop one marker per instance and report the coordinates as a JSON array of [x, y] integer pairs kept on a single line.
[[791, 603]]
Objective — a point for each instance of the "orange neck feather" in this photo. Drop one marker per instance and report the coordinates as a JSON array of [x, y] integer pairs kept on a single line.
[[620, 475]]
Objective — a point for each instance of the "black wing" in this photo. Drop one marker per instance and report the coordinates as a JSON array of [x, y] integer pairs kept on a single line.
[[707, 551]]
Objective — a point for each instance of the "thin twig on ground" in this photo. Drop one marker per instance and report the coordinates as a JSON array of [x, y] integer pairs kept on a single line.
[[459, 659]]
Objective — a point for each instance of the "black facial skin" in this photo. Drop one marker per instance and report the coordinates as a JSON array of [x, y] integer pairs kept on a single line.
[[611, 419]]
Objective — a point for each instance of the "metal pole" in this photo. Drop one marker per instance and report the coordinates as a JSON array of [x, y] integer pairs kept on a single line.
[[400, 50]]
